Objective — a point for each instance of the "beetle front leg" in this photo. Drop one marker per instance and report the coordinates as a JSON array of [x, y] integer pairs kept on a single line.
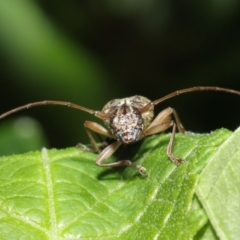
[[161, 123], [108, 151], [97, 128], [170, 147], [178, 122]]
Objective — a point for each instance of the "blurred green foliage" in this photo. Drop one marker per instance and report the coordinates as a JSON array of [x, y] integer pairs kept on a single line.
[[89, 52], [21, 135]]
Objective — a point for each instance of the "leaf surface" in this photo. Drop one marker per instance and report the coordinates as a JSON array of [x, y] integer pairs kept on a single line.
[[219, 188], [62, 194]]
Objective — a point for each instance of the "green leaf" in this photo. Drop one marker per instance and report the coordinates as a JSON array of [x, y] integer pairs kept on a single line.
[[62, 194], [219, 188]]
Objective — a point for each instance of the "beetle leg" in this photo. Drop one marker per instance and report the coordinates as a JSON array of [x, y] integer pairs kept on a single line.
[[162, 122], [170, 147], [97, 128], [178, 122], [108, 151]]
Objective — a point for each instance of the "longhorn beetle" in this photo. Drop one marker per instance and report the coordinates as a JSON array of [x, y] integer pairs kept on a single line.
[[128, 120]]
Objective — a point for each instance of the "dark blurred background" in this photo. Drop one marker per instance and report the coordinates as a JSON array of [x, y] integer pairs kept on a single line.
[[89, 52]]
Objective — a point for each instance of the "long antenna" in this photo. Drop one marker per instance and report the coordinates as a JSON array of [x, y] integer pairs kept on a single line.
[[194, 89], [102, 115], [98, 114], [186, 90]]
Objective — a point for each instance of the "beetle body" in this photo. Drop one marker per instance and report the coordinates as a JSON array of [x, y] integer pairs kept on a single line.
[[127, 121]]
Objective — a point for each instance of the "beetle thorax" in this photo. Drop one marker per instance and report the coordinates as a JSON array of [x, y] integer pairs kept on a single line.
[[126, 124]]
